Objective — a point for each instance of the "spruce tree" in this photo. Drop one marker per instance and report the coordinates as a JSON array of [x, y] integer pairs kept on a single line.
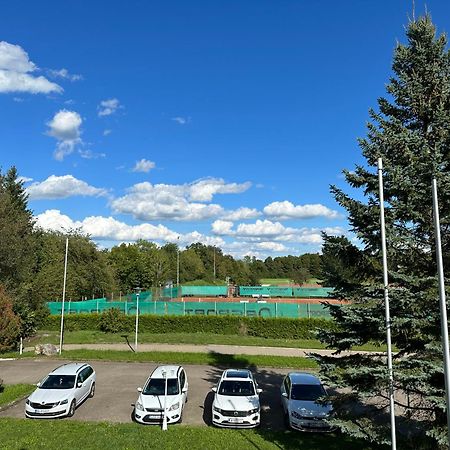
[[411, 132]]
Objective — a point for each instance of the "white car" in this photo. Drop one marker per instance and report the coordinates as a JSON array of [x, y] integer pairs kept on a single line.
[[236, 400], [149, 407], [304, 401], [61, 391]]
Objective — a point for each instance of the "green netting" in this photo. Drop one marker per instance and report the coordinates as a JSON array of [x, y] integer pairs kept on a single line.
[[163, 308], [254, 291], [312, 292], [204, 291]]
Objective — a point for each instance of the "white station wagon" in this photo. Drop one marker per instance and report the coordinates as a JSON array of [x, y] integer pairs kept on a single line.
[[149, 407], [61, 391], [236, 400]]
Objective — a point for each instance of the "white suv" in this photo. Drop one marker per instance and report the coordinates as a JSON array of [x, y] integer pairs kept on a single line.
[[236, 400], [61, 391], [149, 407]]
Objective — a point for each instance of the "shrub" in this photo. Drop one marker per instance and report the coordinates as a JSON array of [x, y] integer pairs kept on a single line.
[[10, 325], [113, 321], [250, 326]]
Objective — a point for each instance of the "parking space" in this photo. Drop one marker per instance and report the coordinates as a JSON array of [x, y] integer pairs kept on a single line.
[[117, 383]]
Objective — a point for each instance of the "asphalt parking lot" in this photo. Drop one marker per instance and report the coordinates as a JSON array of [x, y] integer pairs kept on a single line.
[[117, 383]]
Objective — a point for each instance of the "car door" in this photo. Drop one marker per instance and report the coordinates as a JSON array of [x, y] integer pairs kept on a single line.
[[285, 389], [82, 391], [183, 386]]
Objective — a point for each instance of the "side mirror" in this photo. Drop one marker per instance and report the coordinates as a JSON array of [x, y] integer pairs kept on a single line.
[[284, 394], [259, 390], [79, 385], [214, 389], [139, 389], [184, 390]]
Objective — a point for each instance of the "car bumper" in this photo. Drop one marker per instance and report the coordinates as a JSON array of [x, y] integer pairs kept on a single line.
[[148, 418], [312, 425], [250, 421], [45, 413]]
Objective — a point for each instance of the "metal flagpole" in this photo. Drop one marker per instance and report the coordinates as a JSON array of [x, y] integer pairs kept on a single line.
[[386, 305], [138, 291], [442, 301], [63, 297]]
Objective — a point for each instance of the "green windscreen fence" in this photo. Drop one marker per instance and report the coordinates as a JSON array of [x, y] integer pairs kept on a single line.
[[163, 308]]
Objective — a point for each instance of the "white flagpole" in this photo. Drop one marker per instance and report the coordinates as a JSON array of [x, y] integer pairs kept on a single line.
[[63, 297], [386, 305], [442, 301]]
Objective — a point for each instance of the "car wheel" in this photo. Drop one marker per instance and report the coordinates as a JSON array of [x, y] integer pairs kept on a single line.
[[92, 391], [71, 409]]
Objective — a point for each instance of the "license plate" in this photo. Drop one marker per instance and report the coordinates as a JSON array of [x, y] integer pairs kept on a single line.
[[233, 420], [154, 417], [40, 411]]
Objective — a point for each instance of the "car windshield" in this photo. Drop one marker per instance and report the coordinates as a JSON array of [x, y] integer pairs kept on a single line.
[[236, 387], [307, 392], [156, 386], [58, 382]]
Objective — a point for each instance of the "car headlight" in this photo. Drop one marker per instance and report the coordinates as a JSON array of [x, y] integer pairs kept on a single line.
[[216, 409], [174, 406], [64, 402], [253, 411], [28, 401], [296, 414], [139, 406]]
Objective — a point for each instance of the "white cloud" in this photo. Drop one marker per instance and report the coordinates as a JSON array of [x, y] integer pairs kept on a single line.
[[106, 132], [222, 227], [108, 107], [181, 120], [15, 68], [24, 179], [89, 154], [65, 127], [242, 214], [144, 165], [175, 202], [99, 227], [62, 187], [64, 73], [287, 210], [271, 246]]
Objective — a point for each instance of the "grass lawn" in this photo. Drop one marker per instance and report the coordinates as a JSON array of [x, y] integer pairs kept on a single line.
[[216, 359], [18, 434], [98, 337], [276, 281], [11, 392]]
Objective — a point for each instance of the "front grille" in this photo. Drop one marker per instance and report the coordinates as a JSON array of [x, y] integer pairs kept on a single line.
[[154, 410], [235, 413], [46, 406]]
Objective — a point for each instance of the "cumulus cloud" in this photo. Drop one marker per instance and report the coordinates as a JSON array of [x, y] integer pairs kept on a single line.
[[64, 73], [99, 227], [15, 72], [144, 165], [271, 246], [108, 107], [287, 210], [186, 202], [106, 132], [65, 127], [242, 214], [222, 227], [181, 120], [55, 187]]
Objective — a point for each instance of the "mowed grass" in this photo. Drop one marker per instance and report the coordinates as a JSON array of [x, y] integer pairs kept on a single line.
[[211, 358], [98, 337], [13, 392], [23, 434], [276, 281]]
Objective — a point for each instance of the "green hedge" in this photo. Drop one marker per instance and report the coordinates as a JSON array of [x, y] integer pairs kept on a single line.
[[245, 326]]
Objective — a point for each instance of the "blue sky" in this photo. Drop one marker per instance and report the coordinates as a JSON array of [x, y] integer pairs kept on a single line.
[[223, 122]]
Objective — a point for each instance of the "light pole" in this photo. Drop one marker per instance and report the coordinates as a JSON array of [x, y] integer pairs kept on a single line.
[[178, 261], [138, 291], [63, 297], [214, 263], [164, 424]]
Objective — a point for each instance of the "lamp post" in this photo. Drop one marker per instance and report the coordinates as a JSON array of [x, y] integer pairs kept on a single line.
[[63, 297], [164, 424], [138, 291], [214, 263], [178, 261]]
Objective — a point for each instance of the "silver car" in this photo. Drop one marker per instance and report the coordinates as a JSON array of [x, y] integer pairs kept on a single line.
[[300, 394]]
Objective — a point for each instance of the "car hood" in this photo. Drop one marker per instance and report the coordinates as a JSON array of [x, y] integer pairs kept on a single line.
[[49, 395], [157, 401], [310, 408], [236, 403]]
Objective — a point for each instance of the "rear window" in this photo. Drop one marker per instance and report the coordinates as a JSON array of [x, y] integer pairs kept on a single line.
[[58, 382], [307, 392]]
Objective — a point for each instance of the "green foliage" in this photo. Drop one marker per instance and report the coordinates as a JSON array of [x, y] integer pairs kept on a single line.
[[10, 324], [113, 321], [229, 325], [411, 132]]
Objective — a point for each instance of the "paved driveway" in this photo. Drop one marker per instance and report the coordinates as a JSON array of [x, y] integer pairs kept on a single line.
[[116, 390]]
